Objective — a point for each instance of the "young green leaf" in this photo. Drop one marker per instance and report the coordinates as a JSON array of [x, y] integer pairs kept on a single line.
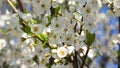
[[89, 38], [27, 29], [34, 21]]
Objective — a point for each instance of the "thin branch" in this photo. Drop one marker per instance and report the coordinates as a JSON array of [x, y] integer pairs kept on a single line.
[[22, 9], [85, 57], [12, 6], [119, 24], [81, 27], [75, 64]]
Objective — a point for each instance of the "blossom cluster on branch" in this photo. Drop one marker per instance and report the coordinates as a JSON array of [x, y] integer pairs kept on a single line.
[[55, 33]]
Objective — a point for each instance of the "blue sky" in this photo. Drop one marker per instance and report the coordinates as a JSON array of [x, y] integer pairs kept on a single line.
[[113, 23]]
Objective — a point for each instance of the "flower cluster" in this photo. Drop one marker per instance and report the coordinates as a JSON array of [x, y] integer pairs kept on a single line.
[[55, 34]]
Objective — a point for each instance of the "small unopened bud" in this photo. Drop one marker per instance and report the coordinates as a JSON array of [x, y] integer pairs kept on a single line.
[[57, 60], [47, 55]]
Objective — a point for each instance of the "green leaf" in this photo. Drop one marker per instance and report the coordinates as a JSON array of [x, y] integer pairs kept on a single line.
[[89, 61], [3, 31], [118, 53], [51, 62], [54, 11], [27, 11], [48, 65], [89, 38], [36, 42], [44, 39], [49, 20], [34, 21], [44, 44], [14, 3], [57, 9], [27, 29]]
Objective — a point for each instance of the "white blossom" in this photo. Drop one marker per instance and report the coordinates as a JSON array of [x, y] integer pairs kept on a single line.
[[37, 28], [62, 52], [3, 43]]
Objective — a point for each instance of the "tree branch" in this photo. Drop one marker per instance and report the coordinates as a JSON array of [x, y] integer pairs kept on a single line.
[[119, 24], [85, 57], [12, 6], [75, 64], [22, 9]]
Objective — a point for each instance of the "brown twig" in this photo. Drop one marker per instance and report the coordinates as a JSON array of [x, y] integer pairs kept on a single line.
[[22, 9], [76, 61], [119, 24], [12, 6], [85, 57], [75, 64]]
